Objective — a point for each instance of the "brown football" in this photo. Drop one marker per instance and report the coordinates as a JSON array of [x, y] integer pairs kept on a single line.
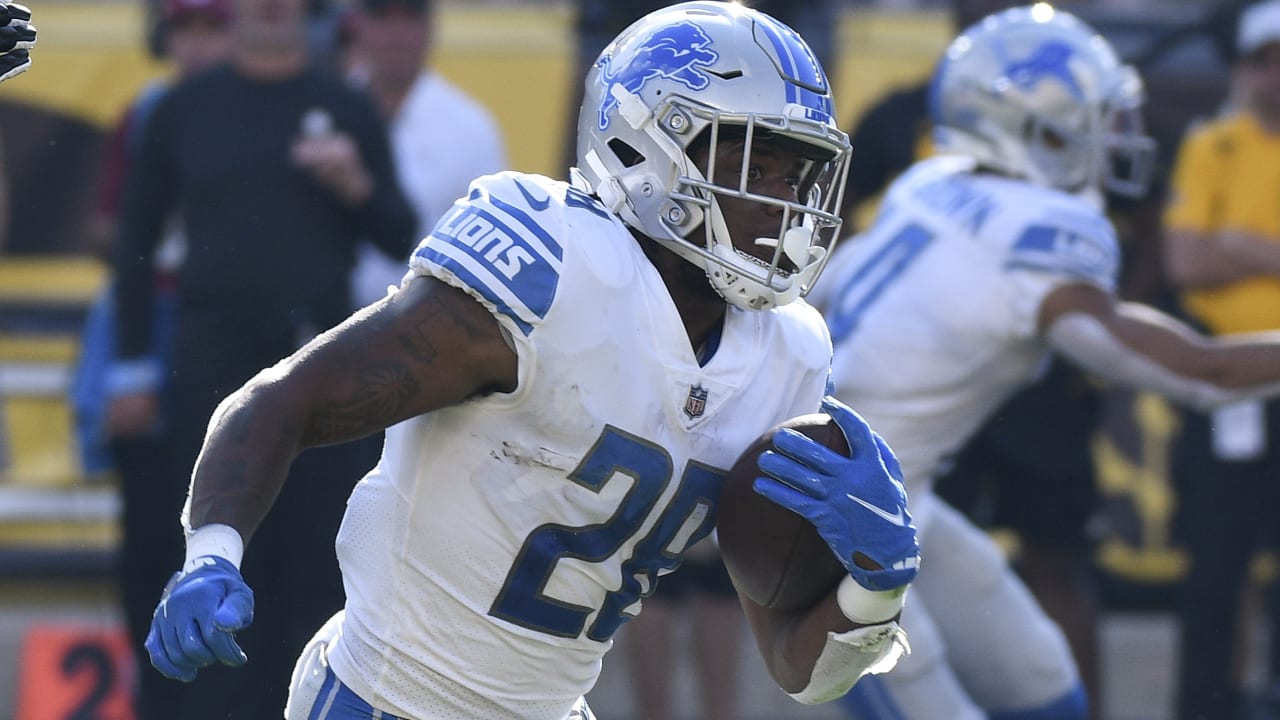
[[776, 557]]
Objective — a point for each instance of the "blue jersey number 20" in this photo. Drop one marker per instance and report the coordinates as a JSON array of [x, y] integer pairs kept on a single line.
[[522, 601]]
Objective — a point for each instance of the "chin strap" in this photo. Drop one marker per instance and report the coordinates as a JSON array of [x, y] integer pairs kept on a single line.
[[608, 189]]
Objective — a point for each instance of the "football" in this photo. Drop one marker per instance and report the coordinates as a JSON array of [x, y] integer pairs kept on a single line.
[[774, 556]]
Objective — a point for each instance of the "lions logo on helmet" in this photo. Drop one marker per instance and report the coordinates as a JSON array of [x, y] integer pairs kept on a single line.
[[672, 52], [1050, 62]]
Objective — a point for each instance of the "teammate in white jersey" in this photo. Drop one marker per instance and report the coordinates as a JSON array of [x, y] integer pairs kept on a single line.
[[563, 390], [982, 262]]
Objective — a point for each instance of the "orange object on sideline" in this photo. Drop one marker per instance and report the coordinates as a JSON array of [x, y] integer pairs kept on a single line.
[[75, 672]]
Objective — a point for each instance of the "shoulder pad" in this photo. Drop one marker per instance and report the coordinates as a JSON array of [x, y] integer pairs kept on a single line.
[[502, 244], [1078, 243]]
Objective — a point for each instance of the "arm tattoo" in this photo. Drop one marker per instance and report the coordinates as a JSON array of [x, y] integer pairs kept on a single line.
[[418, 345], [448, 337], [379, 395]]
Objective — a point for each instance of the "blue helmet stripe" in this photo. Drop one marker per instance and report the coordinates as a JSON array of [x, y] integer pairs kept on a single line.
[[785, 56], [799, 66], [799, 61], [811, 99]]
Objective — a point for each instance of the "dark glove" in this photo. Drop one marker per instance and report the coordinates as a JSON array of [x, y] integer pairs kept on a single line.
[[17, 36]]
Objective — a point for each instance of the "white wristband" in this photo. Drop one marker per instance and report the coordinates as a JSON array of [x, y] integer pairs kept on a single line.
[[869, 607], [216, 539]]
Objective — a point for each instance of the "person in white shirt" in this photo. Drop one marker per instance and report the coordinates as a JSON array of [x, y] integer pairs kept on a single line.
[[442, 138]]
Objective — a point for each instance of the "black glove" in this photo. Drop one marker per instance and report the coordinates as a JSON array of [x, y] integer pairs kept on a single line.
[[17, 36]]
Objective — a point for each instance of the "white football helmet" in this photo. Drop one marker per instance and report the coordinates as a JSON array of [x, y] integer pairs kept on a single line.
[[714, 70], [1033, 92]]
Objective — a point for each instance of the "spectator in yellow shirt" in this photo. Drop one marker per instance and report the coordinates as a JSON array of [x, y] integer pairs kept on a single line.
[[1222, 251]]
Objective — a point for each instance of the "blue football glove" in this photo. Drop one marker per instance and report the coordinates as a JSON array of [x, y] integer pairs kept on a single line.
[[17, 36], [857, 504], [197, 618]]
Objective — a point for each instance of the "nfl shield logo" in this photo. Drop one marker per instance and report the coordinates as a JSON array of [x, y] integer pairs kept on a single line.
[[696, 404]]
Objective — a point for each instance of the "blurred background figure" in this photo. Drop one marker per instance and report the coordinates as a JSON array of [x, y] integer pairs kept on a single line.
[[277, 171], [983, 261], [1222, 250], [192, 36], [441, 137], [895, 131], [1028, 469], [195, 35]]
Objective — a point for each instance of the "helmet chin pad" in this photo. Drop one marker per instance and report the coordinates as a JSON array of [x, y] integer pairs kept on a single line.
[[752, 284], [743, 290]]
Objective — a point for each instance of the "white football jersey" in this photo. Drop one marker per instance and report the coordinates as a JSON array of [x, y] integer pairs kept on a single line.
[[492, 553], [933, 311]]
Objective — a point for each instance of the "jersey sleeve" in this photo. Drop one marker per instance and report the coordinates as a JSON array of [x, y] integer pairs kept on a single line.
[[809, 342], [500, 244], [1079, 246], [1058, 247]]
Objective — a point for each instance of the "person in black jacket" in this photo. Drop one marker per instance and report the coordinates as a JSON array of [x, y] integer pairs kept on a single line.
[[277, 171]]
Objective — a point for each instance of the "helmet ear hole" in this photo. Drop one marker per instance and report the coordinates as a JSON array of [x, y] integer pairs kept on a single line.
[[1037, 133], [628, 155]]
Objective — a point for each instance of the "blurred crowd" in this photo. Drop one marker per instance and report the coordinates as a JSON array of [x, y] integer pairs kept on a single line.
[[280, 177]]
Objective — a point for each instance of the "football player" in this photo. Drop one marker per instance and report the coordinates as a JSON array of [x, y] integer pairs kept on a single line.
[[983, 261], [564, 374], [17, 37]]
